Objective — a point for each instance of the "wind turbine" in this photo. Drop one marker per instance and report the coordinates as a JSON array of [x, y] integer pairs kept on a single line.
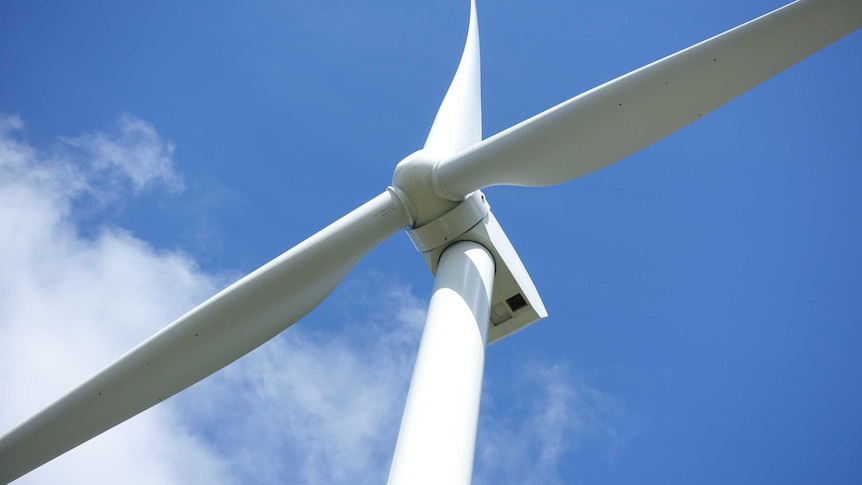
[[436, 192]]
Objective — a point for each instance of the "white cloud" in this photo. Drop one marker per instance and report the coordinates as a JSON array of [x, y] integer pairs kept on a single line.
[[135, 152], [309, 407], [69, 305], [549, 415]]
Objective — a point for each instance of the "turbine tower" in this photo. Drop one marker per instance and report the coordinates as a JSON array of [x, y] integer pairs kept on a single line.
[[482, 292]]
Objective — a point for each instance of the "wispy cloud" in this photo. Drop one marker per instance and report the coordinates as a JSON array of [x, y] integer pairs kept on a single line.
[[309, 407], [134, 151], [535, 422], [69, 305]]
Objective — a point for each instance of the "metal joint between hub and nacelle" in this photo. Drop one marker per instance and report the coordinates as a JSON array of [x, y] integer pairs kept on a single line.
[[438, 222]]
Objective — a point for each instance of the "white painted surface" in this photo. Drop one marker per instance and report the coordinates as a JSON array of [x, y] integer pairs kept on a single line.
[[458, 124], [437, 439]]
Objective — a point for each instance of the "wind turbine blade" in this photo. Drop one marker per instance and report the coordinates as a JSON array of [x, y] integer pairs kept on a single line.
[[607, 123], [224, 328], [458, 123]]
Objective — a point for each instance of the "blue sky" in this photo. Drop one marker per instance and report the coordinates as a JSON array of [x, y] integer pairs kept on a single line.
[[703, 293]]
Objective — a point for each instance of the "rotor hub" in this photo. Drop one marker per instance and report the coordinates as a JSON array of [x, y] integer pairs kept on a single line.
[[414, 182]]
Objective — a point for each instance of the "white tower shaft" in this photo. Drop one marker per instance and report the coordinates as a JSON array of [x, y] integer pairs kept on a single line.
[[437, 439]]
